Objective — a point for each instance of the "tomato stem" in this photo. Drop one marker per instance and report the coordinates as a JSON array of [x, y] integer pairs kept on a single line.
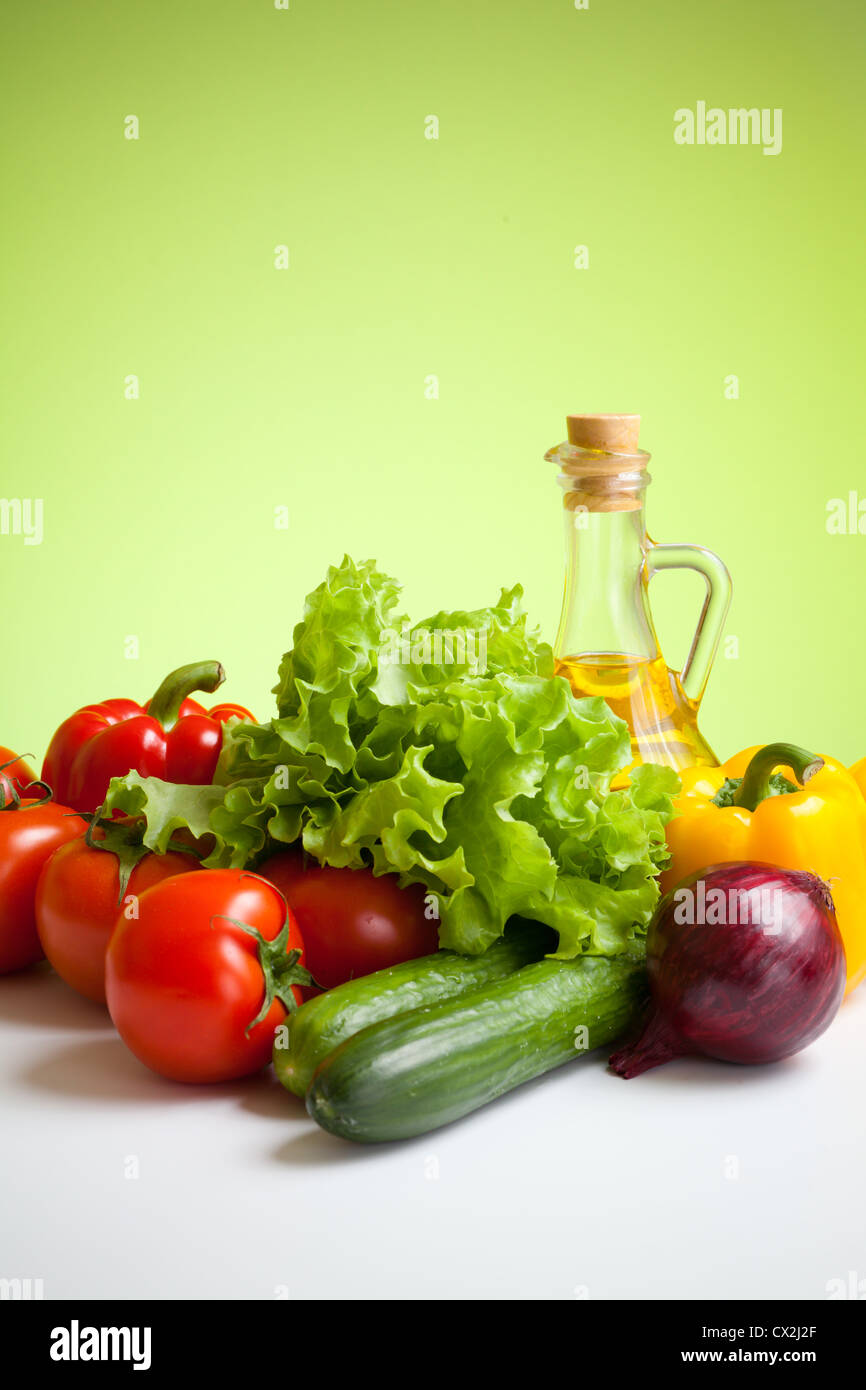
[[13, 801], [10, 762], [279, 967], [125, 840]]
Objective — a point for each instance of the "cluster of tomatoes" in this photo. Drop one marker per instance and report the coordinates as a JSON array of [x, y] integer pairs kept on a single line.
[[198, 967]]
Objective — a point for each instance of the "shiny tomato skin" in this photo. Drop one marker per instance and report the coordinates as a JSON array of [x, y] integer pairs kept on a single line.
[[183, 983], [77, 907], [29, 835], [352, 922]]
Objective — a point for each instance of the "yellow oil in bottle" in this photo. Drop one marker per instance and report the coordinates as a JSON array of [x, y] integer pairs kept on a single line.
[[648, 696]]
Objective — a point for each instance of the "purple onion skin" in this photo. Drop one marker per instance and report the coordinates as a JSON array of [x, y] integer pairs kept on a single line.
[[748, 992]]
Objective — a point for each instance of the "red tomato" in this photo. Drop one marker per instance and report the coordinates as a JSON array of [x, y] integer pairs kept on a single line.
[[352, 922], [77, 907], [29, 834], [184, 983]]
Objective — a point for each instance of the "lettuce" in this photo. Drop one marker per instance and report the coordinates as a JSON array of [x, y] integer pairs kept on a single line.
[[446, 752]]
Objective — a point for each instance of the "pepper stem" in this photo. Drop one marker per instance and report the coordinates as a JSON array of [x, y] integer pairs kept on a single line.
[[755, 785], [179, 685]]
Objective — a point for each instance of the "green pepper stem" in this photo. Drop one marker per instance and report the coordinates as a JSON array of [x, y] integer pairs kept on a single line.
[[179, 685], [755, 785]]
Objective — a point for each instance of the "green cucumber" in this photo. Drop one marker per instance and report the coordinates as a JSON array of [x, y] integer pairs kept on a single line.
[[419, 1070], [323, 1023]]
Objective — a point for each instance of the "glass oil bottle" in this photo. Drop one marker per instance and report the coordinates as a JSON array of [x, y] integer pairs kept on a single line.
[[606, 644]]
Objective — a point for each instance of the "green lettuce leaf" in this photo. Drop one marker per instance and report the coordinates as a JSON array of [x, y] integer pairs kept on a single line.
[[445, 752]]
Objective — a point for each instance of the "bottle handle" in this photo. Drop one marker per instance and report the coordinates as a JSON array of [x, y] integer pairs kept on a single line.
[[708, 632]]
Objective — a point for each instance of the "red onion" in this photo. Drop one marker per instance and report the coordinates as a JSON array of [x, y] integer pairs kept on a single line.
[[745, 963]]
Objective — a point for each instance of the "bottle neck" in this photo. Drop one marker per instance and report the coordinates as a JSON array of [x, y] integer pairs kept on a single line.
[[605, 611], [605, 607]]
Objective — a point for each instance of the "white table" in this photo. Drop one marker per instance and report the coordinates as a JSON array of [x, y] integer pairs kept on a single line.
[[697, 1180]]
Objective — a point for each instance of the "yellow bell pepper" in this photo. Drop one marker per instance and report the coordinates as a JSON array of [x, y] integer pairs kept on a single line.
[[858, 772], [819, 826]]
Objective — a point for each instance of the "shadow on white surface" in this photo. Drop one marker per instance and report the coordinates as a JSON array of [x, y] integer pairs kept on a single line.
[[678, 1080], [105, 1069], [698, 1073], [37, 998], [315, 1148], [263, 1095]]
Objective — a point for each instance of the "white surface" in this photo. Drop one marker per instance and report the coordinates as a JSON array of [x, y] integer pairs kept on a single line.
[[578, 1185]]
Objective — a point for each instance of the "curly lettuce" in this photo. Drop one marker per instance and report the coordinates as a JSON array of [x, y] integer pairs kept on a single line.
[[446, 752]]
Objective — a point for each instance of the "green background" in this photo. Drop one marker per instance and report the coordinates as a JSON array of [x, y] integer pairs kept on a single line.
[[304, 388]]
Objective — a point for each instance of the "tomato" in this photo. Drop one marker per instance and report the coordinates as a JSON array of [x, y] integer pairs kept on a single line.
[[29, 833], [352, 922], [14, 772], [77, 904], [193, 995]]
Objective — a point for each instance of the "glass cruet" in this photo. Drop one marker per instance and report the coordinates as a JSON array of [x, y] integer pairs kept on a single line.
[[606, 644]]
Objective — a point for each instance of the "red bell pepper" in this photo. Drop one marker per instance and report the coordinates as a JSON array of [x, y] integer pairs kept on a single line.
[[172, 737]]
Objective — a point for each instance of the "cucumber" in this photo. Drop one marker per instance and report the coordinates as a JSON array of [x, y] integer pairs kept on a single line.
[[419, 1070], [326, 1021]]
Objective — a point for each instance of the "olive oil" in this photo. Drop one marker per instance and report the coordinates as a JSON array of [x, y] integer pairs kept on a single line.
[[662, 720]]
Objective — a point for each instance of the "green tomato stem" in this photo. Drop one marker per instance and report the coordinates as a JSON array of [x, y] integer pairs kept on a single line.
[[280, 969]]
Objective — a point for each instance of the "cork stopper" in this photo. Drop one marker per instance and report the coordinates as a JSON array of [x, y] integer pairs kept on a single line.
[[612, 434], [602, 467]]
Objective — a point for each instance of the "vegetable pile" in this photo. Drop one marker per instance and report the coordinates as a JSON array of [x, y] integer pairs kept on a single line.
[[415, 887], [491, 788]]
